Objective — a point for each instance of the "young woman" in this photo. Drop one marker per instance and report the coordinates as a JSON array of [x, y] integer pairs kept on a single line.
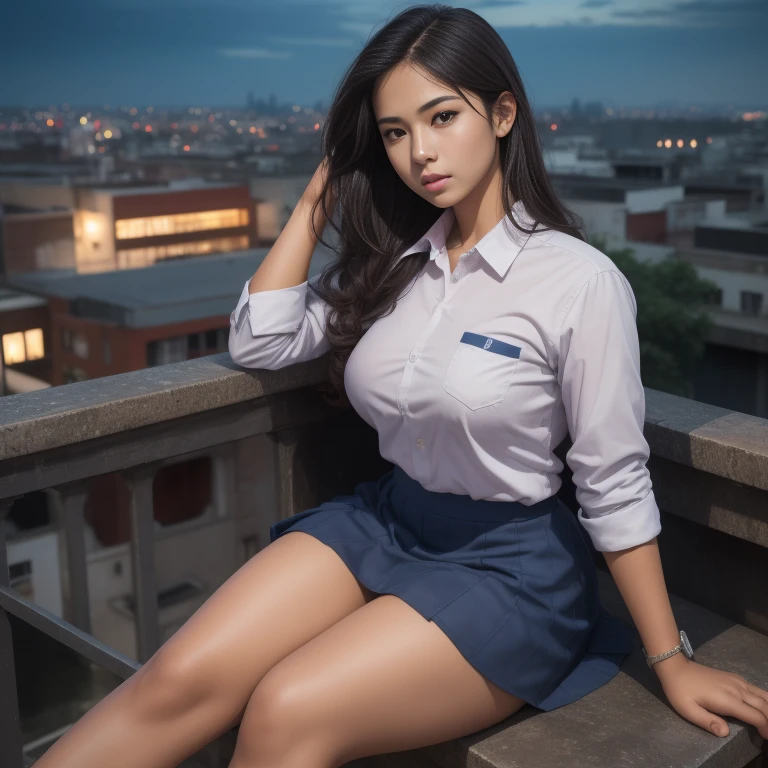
[[469, 322]]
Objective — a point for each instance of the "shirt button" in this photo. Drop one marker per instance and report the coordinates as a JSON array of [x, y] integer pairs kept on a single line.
[[412, 357], [420, 444], [454, 278]]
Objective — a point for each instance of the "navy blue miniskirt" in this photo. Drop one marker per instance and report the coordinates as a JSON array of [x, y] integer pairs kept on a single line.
[[513, 586]]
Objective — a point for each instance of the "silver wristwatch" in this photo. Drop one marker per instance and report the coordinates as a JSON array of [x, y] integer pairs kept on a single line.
[[684, 646]]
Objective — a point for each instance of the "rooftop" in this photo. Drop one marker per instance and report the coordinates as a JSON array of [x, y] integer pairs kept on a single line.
[[171, 291]]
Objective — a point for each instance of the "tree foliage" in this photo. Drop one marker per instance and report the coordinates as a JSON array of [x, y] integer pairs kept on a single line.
[[673, 323]]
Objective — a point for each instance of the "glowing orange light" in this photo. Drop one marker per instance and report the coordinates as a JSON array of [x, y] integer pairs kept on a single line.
[[317, 126], [49, 122], [135, 126], [553, 127], [174, 126], [193, 128], [148, 129], [186, 147]]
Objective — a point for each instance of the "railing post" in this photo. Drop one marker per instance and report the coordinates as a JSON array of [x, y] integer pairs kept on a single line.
[[11, 744], [73, 496], [146, 613]]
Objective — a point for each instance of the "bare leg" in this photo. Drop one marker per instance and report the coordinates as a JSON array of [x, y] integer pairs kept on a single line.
[[381, 680], [198, 683]]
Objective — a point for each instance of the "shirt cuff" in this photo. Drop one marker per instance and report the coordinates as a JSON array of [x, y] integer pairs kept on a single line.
[[270, 312], [625, 527]]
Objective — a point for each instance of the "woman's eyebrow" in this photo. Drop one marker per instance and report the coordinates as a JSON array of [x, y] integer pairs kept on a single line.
[[422, 108]]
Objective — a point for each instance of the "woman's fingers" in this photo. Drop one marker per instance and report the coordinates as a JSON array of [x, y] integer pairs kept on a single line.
[[753, 689], [703, 718], [745, 706]]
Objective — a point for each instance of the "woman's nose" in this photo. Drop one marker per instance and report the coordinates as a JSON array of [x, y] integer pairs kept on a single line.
[[422, 148]]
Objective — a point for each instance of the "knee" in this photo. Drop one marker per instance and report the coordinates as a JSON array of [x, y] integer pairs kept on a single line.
[[277, 724], [172, 683]]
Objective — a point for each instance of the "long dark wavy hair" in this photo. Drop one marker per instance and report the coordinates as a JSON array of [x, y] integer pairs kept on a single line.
[[375, 214]]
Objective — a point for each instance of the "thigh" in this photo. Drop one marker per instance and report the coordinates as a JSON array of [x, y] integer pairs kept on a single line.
[[289, 592], [383, 679]]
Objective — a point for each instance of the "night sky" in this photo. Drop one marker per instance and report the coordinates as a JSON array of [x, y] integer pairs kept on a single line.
[[212, 52]]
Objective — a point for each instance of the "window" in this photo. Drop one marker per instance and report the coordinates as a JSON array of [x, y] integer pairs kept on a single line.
[[72, 341], [167, 351], [152, 226], [21, 346], [210, 339], [751, 303], [107, 351], [80, 345], [142, 257]]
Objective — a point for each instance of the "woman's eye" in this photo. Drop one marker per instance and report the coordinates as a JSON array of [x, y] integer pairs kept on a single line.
[[450, 115]]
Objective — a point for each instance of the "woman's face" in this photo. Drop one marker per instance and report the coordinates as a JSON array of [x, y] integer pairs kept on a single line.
[[447, 138]]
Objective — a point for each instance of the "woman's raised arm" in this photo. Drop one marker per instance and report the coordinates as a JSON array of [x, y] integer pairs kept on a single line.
[[277, 321]]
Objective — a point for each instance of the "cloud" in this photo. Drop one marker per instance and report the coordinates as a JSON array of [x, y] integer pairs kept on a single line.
[[595, 3], [254, 53], [331, 42], [700, 12], [494, 3]]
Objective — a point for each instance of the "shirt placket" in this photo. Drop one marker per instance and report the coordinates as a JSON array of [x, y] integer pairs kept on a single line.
[[451, 286]]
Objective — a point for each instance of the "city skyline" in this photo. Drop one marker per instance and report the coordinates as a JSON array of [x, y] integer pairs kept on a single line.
[[174, 53]]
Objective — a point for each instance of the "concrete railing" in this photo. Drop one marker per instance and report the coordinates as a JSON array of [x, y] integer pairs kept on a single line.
[[709, 468]]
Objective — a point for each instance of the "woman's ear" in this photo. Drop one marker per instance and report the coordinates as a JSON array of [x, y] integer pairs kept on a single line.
[[504, 112]]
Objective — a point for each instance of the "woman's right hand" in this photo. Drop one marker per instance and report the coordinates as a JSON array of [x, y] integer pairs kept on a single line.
[[312, 192]]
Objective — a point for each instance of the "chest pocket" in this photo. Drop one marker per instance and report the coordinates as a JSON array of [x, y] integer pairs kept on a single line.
[[481, 370]]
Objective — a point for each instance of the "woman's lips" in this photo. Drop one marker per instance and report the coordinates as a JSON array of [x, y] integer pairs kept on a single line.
[[433, 186]]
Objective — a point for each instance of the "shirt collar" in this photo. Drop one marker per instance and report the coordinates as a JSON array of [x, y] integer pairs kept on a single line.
[[499, 247]]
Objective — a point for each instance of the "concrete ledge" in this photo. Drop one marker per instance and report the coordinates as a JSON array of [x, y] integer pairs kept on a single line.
[[724, 443], [715, 440], [33, 422]]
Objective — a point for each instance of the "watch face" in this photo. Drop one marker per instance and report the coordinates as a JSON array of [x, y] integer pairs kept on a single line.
[[687, 649]]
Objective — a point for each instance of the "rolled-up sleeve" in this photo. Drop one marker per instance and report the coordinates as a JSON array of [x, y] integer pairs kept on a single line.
[[604, 403], [273, 329]]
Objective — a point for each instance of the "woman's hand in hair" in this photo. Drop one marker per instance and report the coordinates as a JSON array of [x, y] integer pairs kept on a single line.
[[315, 187]]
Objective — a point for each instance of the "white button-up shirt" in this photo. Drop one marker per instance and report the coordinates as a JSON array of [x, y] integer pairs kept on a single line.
[[478, 374]]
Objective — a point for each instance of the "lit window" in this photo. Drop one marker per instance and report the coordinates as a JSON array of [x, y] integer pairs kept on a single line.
[[34, 342], [13, 348], [140, 257], [22, 346], [153, 226]]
